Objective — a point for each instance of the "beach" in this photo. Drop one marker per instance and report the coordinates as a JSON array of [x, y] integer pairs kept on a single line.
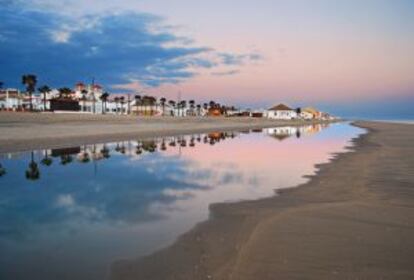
[[353, 219], [28, 131]]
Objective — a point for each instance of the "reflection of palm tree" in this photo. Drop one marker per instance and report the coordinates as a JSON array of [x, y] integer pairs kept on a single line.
[[183, 143], [122, 149], [33, 172], [65, 159], [47, 161], [2, 170], [84, 156], [172, 143], [163, 145], [117, 148], [138, 150], [149, 146], [105, 151]]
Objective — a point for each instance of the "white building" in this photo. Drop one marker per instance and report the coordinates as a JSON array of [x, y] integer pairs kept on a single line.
[[90, 98], [281, 112], [306, 115], [11, 99]]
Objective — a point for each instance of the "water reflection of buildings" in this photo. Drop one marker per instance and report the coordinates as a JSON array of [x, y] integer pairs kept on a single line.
[[282, 133], [97, 152]]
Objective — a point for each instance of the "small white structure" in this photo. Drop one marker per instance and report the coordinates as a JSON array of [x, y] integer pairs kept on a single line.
[[306, 115], [10, 99], [281, 112]]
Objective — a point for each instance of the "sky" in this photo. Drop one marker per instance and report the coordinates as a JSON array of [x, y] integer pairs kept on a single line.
[[352, 58]]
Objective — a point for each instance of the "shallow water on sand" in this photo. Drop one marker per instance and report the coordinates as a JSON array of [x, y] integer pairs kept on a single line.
[[69, 213]]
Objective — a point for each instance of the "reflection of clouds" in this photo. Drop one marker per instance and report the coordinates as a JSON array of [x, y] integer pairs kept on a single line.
[[65, 200], [68, 203], [137, 203], [122, 195]]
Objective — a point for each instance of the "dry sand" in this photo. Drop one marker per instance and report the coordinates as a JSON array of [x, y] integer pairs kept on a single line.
[[26, 131], [353, 220]]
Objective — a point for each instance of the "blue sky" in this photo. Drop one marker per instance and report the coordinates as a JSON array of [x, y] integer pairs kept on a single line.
[[349, 57]]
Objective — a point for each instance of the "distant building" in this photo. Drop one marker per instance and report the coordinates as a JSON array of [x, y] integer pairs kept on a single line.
[[257, 114], [89, 97], [309, 113], [281, 112], [11, 99]]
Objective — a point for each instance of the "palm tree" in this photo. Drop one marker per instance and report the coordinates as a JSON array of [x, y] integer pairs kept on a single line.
[[30, 82], [93, 96], [47, 161], [33, 172], [129, 104], [154, 102], [138, 102], [192, 102], [116, 103], [183, 104], [104, 99], [298, 111], [212, 104], [84, 98], [65, 93], [223, 110], [162, 101], [122, 100], [198, 109], [44, 90], [172, 104]]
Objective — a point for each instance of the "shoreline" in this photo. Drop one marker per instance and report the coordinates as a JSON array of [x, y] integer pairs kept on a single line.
[[354, 219], [27, 131]]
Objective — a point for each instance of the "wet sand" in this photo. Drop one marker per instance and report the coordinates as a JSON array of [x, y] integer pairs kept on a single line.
[[29, 131], [353, 220]]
